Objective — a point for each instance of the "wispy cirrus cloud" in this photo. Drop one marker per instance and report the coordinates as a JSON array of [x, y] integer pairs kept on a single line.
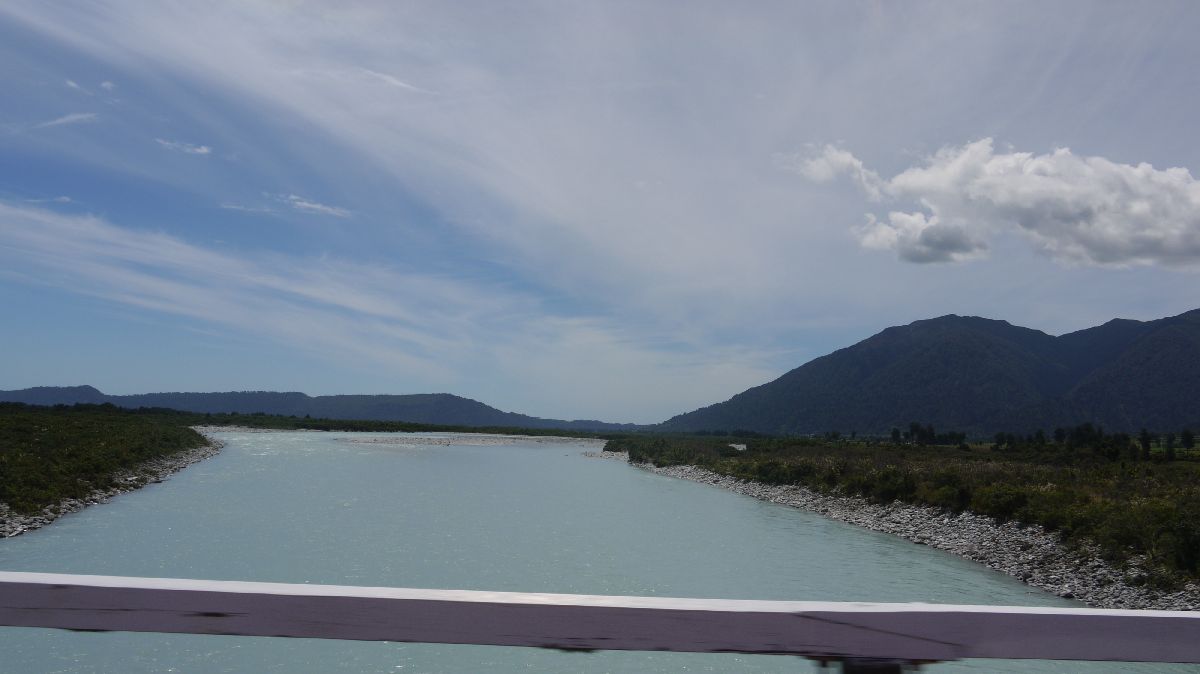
[[305, 205], [394, 81], [513, 151], [186, 148], [617, 158], [1074, 208], [425, 329], [584, 145], [230, 206], [72, 118]]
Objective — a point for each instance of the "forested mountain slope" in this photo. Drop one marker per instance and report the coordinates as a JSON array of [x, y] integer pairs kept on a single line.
[[980, 375]]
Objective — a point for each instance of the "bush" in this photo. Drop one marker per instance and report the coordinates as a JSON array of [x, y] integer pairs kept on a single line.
[[1087, 493], [1002, 502]]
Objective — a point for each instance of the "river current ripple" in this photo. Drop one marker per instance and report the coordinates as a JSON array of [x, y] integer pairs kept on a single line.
[[437, 512]]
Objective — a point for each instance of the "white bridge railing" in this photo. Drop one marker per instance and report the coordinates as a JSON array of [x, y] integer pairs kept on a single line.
[[867, 636]]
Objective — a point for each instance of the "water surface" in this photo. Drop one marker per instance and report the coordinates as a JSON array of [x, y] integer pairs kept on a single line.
[[313, 508]]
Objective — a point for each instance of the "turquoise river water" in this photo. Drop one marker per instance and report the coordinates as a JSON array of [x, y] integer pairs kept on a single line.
[[534, 517]]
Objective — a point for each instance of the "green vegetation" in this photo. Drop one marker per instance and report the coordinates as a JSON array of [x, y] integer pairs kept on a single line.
[[1110, 490], [51, 453]]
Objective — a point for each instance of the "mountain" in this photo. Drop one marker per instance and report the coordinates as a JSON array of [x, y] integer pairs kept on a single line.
[[428, 408], [960, 373], [981, 376]]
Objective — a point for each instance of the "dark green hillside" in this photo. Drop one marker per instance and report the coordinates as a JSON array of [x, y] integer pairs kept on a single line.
[[426, 408], [1085, 350], [980, 375], [244, 402], [1154, 383], [56, 395], [961, 372]]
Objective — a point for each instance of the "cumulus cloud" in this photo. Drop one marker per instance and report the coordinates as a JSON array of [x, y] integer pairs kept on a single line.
[[833, 162], [1075, 208], [73, 118], [107, 85], [186, 148], [920, 239]]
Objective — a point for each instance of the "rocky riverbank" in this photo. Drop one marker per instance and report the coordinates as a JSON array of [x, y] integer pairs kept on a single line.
[[1035, 556], [149, 472]]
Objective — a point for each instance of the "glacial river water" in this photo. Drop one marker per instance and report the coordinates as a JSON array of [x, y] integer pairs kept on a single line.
[[535, 517]]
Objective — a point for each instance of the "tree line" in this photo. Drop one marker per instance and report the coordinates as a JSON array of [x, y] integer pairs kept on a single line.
[[1145, 446]]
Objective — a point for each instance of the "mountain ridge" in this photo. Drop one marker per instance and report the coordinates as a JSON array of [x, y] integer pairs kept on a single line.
[[980, 375], [963, 373], [427, 408]]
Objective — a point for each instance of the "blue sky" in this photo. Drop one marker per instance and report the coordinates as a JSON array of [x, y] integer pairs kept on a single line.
[[618, 210]]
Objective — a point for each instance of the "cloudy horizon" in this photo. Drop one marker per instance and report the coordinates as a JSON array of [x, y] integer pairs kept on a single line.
[[621, 211]]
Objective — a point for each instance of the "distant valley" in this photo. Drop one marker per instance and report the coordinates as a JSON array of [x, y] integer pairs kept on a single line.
[[427, 408], [959, 373]]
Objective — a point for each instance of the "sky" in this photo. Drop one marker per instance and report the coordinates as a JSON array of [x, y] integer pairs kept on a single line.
[[609, 210]]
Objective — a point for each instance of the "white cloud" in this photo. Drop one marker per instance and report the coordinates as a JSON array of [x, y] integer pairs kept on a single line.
[[617, 156], [832, 162], [186, 148], [917, 238], [530, 145], [72, 118], [246, 209], [1075, 208], [394, 81], [72, 84], [304, 205], [107, 85]]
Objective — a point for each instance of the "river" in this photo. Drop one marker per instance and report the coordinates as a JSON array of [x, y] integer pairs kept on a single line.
[[530, 517]]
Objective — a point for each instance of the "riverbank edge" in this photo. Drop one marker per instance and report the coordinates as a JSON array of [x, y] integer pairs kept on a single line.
[[1028, 553], [149, 472]]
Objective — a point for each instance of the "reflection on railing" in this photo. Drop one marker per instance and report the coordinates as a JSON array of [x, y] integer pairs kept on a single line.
[[864, 637]]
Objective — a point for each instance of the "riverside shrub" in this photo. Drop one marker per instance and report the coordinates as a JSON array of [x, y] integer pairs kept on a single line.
[[51, 453], [1125, 508]]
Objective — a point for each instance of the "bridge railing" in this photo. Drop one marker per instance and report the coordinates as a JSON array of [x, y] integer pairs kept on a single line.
[[869, 636]]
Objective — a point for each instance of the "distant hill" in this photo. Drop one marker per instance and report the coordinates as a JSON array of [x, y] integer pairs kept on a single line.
[[427, 408], [981, 376]]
